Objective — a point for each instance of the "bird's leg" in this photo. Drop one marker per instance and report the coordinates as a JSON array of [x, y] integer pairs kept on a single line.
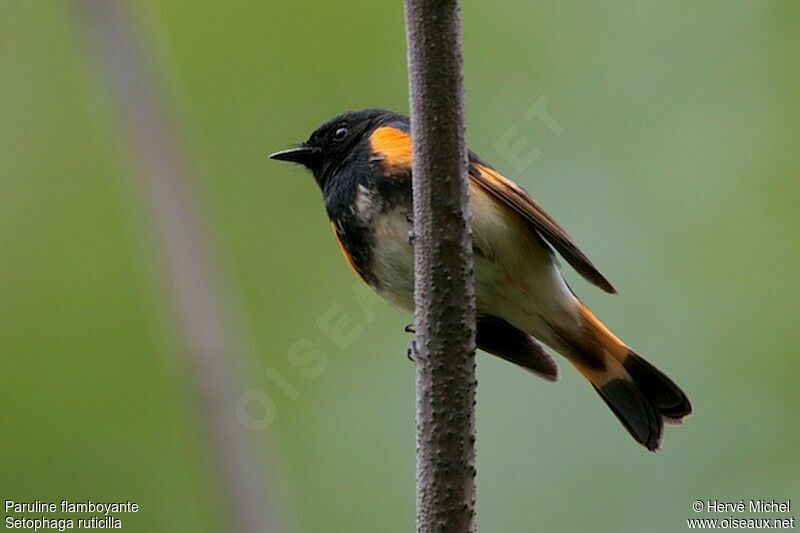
[[411, 352], [411, 235]]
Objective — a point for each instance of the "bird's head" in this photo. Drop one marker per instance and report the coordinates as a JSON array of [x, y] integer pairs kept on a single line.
[[335, 141]]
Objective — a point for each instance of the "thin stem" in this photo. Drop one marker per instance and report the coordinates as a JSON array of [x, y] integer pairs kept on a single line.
[[444, 290]]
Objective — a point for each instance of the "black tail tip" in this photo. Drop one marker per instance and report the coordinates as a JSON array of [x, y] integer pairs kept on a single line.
[[669, 400], [636, 414], [645, 400]]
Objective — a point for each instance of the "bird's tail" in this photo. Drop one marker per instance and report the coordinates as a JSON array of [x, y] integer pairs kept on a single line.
[[641, 396]]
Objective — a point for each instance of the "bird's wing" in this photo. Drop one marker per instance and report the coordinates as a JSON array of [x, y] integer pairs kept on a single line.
[[391, 147], [515, 197]]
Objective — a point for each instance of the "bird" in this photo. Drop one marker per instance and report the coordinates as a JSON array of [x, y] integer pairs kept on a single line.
[[362, 162]]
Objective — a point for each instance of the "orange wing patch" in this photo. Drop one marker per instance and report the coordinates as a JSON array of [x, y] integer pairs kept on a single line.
[[393, 147]]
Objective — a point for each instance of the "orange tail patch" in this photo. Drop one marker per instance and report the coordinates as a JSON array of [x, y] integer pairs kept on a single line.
[[610, 342]]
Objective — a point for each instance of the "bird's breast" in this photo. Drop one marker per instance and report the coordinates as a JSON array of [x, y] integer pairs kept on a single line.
[[388, 225], [512, 268], [374, 236]]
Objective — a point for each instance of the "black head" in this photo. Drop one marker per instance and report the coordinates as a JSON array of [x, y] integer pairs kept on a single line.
[[331, 143]]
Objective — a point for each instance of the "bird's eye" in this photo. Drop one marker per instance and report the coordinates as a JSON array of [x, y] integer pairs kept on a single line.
[[340, 134]]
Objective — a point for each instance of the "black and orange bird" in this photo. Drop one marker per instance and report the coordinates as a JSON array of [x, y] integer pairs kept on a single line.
[[361, 161]]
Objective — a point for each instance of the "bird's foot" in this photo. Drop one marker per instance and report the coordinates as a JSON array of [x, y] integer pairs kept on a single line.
[[412, 351]]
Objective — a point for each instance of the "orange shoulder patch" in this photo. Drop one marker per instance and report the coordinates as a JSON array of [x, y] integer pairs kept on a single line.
[[393, 146]]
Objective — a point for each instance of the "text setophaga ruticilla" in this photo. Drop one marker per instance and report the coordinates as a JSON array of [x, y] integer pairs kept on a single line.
[[362, 162]]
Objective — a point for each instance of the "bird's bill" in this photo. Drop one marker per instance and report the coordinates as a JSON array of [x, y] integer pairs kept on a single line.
[[302, 154]]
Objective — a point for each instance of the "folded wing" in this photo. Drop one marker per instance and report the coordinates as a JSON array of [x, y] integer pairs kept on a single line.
[[515, 197]]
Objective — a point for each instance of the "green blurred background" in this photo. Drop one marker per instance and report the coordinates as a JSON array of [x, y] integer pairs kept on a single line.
[[676, 167]]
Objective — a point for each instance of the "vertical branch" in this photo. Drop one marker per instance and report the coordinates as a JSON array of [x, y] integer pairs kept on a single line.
[[211, 345], [444, 291]]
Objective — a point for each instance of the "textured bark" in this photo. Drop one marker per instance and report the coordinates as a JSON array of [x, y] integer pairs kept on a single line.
[[211, 345], [444, 290]]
